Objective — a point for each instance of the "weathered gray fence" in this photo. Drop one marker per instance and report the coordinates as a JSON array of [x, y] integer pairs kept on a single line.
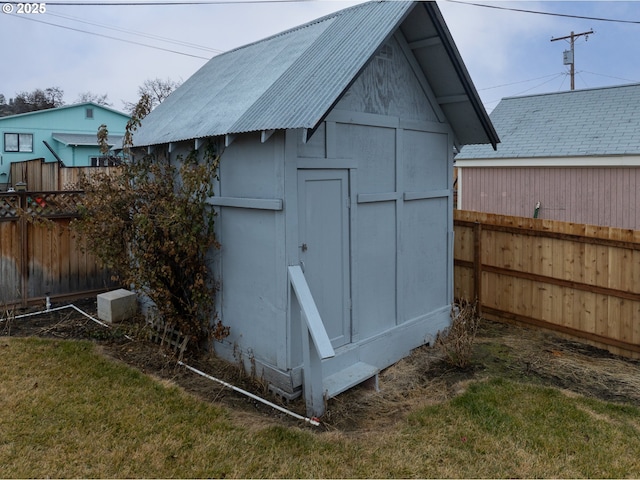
[[44, 258]]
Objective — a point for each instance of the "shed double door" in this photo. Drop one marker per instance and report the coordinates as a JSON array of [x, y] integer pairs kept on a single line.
[[323, 211]]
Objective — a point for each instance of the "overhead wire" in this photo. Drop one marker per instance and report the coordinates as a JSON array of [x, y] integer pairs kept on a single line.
[[580, 77], [609, 76], [554, 77], [167, 3], [32, 19], [518, 82], [562, 83], [230, 2], [552, 14], [140, 34]]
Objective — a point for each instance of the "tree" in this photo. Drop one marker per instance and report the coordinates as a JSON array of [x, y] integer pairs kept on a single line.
[[95, 98], [157, 90], [138, 112], [5, 109], [37, 100], [150, 224]]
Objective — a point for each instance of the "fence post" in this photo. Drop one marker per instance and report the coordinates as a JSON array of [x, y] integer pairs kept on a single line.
[[24, 252], [477, 265]]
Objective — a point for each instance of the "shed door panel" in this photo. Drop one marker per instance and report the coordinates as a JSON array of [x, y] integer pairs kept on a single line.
[[324, 247]]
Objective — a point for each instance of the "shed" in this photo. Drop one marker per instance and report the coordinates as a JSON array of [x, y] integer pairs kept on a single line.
[[335, 190], [575, 155]]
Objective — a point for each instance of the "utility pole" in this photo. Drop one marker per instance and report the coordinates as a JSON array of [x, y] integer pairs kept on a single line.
[[569, 55]]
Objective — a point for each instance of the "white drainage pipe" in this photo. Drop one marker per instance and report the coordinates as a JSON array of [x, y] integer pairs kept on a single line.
[[49, 309], [313, 421]]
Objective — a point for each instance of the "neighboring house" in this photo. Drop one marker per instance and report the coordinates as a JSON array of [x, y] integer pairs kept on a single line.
[[66, 134], [575, 153], [337, 142]]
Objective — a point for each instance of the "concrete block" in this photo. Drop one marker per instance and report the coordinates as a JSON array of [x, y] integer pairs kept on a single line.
[[116, 305]]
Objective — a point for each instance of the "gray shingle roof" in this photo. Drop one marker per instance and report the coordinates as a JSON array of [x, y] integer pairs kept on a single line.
[[593, 122], [291, 80]]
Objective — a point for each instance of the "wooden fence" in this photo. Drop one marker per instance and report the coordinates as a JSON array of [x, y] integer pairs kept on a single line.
[[44, 258], [51, 176], [580, 280]]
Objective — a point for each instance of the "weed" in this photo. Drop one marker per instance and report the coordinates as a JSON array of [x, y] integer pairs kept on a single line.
[[456, 342]]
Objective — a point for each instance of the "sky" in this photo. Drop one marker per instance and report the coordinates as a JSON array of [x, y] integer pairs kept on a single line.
[[112, 49]]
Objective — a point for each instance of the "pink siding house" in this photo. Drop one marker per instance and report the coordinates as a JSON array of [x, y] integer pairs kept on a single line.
[[571, 156]]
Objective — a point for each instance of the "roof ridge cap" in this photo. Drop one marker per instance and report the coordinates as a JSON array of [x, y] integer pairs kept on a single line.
[[580, 90]]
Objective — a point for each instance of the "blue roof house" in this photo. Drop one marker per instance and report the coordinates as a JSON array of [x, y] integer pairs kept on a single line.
[[334, 197], [66, 134]]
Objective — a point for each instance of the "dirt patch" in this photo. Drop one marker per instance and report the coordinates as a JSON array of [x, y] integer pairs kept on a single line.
[[423, 378]]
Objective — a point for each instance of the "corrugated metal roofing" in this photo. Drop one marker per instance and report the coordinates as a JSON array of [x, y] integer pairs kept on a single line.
[[291, 80], [593, 122], [84, 139], [10, 118]]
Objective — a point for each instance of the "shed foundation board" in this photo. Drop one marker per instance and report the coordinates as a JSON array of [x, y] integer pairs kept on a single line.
[[116, 305]]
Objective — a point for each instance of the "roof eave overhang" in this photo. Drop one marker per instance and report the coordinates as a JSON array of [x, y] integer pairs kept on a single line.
[[466, 100], [468, 94], [586, 161]]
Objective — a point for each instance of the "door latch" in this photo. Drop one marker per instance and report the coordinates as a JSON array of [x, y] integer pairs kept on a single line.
[[304, 247]]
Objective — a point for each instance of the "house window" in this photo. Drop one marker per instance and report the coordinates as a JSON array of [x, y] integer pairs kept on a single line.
[[104, 161], [18, 142], [89, 113]]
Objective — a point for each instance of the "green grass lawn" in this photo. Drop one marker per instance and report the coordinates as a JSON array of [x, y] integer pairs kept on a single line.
[[68, 411]]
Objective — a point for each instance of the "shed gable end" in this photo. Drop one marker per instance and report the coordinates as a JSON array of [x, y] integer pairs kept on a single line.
[[389, 86]]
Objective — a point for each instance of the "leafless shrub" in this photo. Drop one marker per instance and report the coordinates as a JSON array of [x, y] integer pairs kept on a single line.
[[456, 342]]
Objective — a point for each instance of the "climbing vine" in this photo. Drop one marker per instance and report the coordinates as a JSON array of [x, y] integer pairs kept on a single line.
[[151, 225]]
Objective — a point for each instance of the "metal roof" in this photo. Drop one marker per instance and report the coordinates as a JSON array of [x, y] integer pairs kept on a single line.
[[293, 79], [85, 139], [64, 107], [592, 122]]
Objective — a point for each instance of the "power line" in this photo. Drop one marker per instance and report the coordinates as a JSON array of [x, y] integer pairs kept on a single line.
[[519, 81], [554, 77], [609, 76], [141, 34], [30, 18], [566, 15], [540, 84], [167, 3]]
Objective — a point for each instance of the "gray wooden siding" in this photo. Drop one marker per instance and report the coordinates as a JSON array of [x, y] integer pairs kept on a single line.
[[376, 260], [251, 262], [375, 283], [605, 196], [424, 257]]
